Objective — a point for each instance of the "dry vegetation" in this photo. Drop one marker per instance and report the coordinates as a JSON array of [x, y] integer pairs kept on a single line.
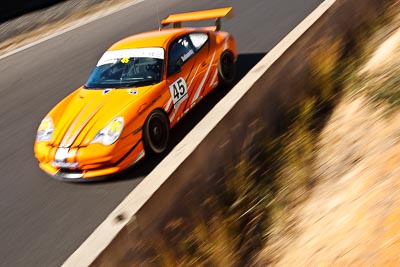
[[353, 216]]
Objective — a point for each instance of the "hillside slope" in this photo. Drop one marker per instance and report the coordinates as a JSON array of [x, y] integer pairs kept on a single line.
[[353, 214]]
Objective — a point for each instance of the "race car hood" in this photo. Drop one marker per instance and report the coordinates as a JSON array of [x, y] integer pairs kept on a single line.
[[80, 116]]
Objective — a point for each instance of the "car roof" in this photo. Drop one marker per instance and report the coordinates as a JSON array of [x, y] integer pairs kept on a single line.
[[150, 39]]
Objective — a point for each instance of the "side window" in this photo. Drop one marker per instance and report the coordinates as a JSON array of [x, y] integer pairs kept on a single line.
[[198, 39], [180, 51]]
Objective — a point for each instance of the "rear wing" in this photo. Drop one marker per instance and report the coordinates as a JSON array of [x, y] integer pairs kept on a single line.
[[216, 14]]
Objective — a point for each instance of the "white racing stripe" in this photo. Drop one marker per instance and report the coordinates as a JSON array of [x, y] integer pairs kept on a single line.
[[139, 157], [174, 113], [168, 104], [214, 79], [69, 139], [83, 124], [68, 133], [194, 76], [62, 154], [196, 95]]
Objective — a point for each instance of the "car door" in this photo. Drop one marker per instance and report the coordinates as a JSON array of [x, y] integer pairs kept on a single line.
[[186, 64]]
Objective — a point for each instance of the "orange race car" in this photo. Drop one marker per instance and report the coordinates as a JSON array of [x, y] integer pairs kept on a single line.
[[139, 89]]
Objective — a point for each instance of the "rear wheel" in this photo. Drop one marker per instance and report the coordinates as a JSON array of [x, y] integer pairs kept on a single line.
[[227, 69], [156, 132]]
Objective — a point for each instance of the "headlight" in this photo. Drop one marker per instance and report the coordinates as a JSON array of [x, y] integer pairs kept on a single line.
[[109, 134], [45, 131]]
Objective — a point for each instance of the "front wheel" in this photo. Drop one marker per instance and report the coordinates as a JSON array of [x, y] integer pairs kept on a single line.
[[227, 69], [156, 132]]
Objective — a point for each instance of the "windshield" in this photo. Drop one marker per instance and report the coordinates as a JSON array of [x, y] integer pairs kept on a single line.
[[127, 68]]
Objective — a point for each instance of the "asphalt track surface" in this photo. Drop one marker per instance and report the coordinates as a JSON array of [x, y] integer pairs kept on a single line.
[[43, 220]]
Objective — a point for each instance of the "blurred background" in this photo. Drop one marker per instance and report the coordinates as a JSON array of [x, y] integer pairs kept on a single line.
[[11, 9]]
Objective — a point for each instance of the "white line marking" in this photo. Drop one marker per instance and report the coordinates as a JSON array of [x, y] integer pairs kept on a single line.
[[89, 19]]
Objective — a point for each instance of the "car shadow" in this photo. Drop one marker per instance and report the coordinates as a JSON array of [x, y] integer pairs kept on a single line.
[[245, 63]]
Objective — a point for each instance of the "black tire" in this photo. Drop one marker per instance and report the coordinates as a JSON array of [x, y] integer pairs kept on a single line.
[[227, 69], [156, 132]]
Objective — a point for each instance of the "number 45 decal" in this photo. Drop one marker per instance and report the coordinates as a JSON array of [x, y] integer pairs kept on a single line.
[[178, 90]]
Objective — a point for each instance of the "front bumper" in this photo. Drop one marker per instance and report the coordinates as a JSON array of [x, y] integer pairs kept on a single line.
[[97, 166], [77, 175]]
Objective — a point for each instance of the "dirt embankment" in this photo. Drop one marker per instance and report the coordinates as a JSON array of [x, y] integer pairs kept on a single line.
[[353, 214]]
